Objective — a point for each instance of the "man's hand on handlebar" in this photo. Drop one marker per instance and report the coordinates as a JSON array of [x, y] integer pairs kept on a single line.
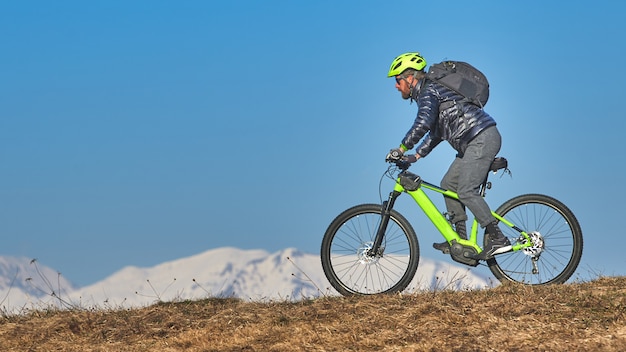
[[402, 161], [394, 155], [410, 158]]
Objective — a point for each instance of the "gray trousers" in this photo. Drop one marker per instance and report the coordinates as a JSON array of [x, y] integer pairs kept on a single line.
[[467, 173]]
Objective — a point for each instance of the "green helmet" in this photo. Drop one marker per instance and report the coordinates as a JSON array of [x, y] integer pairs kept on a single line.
[[404, 61]]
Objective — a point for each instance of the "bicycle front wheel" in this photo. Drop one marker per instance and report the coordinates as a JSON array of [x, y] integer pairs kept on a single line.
[[348, 263], [556, 236]]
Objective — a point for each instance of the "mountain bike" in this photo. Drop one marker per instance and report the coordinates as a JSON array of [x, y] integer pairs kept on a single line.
[[372, 248]]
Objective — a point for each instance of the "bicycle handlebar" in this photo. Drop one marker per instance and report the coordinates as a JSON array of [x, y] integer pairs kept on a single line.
[[404, 162], [400, 163]]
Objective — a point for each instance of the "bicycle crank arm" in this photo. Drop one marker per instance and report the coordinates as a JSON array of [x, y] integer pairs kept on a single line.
[[481, 255], [503, 250]]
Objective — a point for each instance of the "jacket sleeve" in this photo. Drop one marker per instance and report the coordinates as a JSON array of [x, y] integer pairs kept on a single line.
[[429, 143], [428, 111]]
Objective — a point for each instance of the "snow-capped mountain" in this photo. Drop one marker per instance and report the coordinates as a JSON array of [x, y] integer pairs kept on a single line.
[[26, 283], [224, 272]]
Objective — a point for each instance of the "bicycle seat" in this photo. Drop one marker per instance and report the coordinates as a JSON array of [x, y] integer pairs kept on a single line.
[[498, 163]]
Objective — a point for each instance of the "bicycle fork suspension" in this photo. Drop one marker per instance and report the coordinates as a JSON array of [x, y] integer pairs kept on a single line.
[[376, 249]]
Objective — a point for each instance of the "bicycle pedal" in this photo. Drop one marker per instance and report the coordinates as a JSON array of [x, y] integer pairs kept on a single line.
[[444, 248]]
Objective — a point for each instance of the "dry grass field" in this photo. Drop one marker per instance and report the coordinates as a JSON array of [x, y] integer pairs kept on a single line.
[[588, 316]]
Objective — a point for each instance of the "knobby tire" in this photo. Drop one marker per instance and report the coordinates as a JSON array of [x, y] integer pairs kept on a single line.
[[348, 267], [561, 235]]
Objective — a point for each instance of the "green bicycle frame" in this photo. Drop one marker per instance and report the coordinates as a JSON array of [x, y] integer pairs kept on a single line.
[[443, 225]]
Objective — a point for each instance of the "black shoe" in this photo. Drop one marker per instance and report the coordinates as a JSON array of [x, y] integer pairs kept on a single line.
[[443, 246], [460, 230], [495, 246], [497, 242]]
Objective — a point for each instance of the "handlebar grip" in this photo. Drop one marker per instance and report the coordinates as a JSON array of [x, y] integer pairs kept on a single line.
[[395, 154]]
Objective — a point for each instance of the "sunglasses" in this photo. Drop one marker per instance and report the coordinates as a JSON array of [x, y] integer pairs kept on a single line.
[[400, 78]]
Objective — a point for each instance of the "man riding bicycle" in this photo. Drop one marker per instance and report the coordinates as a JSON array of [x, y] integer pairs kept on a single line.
[[443, 114]]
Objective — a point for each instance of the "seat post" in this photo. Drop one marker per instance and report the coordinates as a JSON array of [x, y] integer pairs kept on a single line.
[[484, 186]]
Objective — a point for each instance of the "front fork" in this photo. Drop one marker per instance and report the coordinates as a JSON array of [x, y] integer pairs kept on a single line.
[[376, 249]]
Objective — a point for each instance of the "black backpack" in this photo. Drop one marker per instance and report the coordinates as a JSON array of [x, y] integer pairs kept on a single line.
[[463, 78]]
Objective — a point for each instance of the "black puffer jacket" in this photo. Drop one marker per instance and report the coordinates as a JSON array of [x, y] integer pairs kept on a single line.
[[443, 116]]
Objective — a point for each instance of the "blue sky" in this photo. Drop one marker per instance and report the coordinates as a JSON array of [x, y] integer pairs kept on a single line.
[[136, 132]]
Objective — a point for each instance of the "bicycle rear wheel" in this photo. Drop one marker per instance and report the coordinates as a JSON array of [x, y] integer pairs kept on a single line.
[[557, 241], [352, 269]]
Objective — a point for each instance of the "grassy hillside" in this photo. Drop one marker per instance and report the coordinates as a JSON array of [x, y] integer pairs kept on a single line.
[[574, 317]]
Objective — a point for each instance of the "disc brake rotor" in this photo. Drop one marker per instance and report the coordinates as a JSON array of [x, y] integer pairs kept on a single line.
[[538, 244], [365, 255]]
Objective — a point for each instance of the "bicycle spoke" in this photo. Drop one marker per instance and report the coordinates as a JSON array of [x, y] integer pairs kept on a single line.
[[556, 241], [354, 268]]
